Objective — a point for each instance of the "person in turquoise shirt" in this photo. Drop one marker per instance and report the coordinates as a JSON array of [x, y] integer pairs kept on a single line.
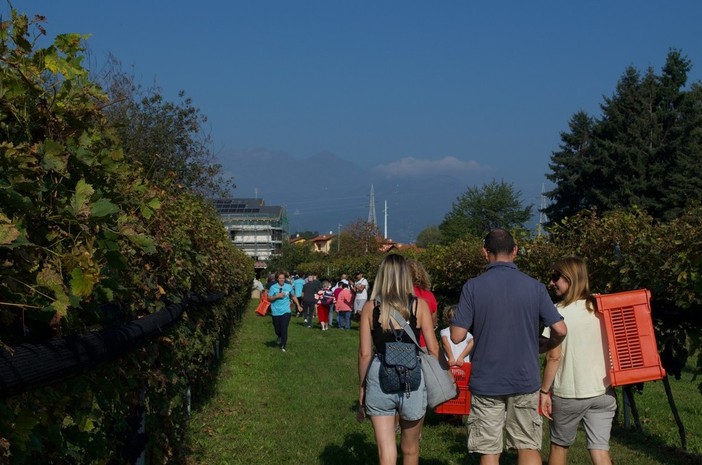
[[280, 295], [298, 282]]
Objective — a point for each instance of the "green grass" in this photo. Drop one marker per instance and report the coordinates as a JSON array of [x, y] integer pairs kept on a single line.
[[298, 407]]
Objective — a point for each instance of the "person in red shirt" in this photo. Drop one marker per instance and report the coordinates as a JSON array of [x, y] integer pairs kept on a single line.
[[344, 305], [422, 289]]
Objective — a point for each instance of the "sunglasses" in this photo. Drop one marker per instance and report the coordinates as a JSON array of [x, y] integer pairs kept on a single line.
[[555, 276]]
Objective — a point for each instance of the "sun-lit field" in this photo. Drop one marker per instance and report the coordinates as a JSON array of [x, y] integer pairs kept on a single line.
[[298, 407]]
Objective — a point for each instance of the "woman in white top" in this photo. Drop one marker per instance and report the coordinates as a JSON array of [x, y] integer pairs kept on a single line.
[[577, 369]]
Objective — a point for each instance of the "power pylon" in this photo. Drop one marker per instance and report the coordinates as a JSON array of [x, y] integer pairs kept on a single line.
[[542, 215], [371, 208]]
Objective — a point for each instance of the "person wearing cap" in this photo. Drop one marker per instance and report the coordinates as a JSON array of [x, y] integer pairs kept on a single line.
[[360, 289], [505, 307]]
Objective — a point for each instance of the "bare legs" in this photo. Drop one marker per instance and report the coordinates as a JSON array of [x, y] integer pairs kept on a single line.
[[600, 457], [385, 437], [559, 454], [409, 440], [528, 457], [524, 457], [384, 427], [490, 459]]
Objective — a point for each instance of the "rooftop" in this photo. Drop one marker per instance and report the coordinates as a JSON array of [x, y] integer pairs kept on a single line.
[[246, 208]]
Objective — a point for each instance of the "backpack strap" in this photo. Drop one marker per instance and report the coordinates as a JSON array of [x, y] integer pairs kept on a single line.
[[404, 324], [413, 300]]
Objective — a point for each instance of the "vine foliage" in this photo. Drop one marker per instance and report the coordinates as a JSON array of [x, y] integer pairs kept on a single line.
[[88, 242]]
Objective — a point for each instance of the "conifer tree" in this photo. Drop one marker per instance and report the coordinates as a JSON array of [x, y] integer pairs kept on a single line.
[[571, 169], [643, 151]]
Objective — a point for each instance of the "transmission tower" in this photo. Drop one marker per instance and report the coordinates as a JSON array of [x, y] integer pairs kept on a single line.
[[542, 215], [371, 208]]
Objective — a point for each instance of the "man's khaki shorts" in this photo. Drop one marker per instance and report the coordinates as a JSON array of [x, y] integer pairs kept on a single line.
[[517, 415]]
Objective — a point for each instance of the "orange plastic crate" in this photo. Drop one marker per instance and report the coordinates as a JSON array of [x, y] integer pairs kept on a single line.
[[632, 343], [461, 374], [263, 304], [461, 404]]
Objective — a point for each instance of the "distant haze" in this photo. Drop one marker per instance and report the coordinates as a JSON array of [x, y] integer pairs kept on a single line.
[[322, 192]]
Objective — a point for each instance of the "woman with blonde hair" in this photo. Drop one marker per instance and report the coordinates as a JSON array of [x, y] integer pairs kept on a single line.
[[393, 291], [577, 369]]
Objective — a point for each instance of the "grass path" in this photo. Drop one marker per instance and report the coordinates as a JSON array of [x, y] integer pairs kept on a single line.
[[298, 407]]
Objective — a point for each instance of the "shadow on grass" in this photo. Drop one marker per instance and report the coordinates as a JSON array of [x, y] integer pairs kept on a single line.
[[355, 449], [358, 448], [454, 435], [654, 447], [205, 390]]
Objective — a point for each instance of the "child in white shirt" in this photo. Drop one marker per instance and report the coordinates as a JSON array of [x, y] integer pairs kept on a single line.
[[456, 354]]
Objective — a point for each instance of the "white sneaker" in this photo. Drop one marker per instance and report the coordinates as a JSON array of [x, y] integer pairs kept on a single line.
[[282, 349]]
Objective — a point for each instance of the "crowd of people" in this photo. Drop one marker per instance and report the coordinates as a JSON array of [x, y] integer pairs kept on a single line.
[[494, 327], [312, 299]]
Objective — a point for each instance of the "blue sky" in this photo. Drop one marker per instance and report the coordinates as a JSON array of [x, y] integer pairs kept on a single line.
[[477, 90]]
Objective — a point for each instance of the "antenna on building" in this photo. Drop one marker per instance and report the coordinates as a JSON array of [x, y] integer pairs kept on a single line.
[[371, 208], [542, 215]]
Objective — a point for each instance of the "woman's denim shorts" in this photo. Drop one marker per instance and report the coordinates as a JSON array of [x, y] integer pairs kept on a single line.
[[378, 403]]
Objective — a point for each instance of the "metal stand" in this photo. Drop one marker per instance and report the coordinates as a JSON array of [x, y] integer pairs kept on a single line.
[[630, 408], [673, 408], [630, 405]]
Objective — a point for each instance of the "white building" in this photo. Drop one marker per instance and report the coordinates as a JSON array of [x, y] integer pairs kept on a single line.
[[256, 229]]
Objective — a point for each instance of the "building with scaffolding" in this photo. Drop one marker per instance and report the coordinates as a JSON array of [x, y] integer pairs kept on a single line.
[[256, 229]]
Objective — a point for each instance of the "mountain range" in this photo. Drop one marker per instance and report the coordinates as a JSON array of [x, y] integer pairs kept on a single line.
[[324, 193]]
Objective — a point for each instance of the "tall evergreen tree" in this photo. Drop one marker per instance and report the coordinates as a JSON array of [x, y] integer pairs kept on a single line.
[[644, 151], [623, 144], [571, 170], [684, 177]]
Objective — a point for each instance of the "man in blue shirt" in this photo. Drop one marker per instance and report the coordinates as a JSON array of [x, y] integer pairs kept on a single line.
[[505, 308]]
